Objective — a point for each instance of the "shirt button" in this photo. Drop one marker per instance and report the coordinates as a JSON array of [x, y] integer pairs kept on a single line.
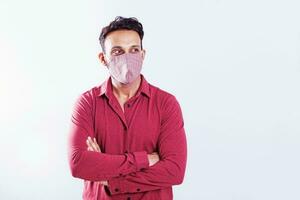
[[128, 105], [116, 190], [128, 198], [138, 189]]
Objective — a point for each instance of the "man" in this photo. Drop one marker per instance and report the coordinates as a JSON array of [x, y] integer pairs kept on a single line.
[[127, 138]]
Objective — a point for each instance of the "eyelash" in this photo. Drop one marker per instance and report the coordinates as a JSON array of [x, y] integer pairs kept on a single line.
[[115, 52]]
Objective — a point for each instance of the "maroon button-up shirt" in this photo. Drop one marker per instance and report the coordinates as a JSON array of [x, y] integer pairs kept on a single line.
[[151, 122]]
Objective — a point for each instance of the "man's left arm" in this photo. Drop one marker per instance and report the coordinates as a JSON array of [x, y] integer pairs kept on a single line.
[[172, 149]]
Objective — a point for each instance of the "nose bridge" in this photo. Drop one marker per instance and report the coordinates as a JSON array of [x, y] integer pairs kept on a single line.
[[127, 49]]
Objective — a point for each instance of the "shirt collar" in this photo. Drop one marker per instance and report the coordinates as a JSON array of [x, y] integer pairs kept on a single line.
[[106, 88]]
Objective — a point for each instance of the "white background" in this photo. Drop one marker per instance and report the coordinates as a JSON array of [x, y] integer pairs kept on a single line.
[[233, 65]]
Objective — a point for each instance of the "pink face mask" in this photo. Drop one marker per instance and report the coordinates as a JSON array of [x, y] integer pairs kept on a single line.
[[125, 68]]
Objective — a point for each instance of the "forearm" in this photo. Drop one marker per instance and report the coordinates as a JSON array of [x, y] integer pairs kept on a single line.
[[95, 166], [165, 173], [168, 171]]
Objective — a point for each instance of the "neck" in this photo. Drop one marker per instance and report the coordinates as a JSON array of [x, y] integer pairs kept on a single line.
[[125, 91]]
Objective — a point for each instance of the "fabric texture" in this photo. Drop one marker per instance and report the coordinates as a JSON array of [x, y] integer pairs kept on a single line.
[[151, 122], [126, 67]]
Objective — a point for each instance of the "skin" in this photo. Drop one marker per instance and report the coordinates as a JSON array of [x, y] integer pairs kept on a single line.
[[117, 43]]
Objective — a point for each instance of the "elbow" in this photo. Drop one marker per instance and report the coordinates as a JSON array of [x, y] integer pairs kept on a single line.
[[176, 175], [74, 165], [178, 179], [175, 172], [74, 170]]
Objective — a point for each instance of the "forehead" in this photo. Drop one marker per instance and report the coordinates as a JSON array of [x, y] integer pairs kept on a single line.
[[123, 38]]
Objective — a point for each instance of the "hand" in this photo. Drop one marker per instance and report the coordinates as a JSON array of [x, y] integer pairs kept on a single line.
[[104, 183], [92, 145], [153, 158]]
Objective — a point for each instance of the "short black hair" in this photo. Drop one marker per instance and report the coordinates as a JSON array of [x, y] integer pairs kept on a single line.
[[119, 23]]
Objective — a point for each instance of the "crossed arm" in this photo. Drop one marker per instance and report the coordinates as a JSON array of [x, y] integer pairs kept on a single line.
[[92, 145], [135, 171]]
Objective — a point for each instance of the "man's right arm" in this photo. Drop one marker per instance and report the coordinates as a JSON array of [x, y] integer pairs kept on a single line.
[[95, 166]]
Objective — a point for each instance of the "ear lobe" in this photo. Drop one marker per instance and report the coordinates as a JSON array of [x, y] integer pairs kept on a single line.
[[101, 57], [143, 54]]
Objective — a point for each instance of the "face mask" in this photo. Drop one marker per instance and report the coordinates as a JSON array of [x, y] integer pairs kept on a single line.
[[125, 68]]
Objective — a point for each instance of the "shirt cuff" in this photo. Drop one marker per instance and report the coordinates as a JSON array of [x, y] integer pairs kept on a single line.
[[141, 160], [120, 185], [114, 186]]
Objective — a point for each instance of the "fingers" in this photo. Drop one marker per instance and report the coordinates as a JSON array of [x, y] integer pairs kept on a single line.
[[153, 158], [104, 183], [92, 145], [97, 146], [155, 154], [89, 146]]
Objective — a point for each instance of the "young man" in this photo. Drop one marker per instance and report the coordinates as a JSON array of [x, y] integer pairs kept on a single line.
[[127, 138]]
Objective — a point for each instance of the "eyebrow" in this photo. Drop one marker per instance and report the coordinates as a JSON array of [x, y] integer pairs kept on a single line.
[[119, 47], [136, 46]]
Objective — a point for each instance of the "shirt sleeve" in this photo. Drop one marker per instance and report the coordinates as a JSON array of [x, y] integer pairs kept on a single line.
[[90, 165], [170, 169]]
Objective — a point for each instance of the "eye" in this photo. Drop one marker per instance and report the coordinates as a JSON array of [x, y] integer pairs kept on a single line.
[[117, 52], [135, 50]]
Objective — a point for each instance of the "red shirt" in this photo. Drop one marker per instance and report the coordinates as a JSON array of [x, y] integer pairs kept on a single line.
[[151, 122]]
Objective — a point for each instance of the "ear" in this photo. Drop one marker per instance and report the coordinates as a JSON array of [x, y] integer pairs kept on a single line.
[[143, 53], [101, 57]]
